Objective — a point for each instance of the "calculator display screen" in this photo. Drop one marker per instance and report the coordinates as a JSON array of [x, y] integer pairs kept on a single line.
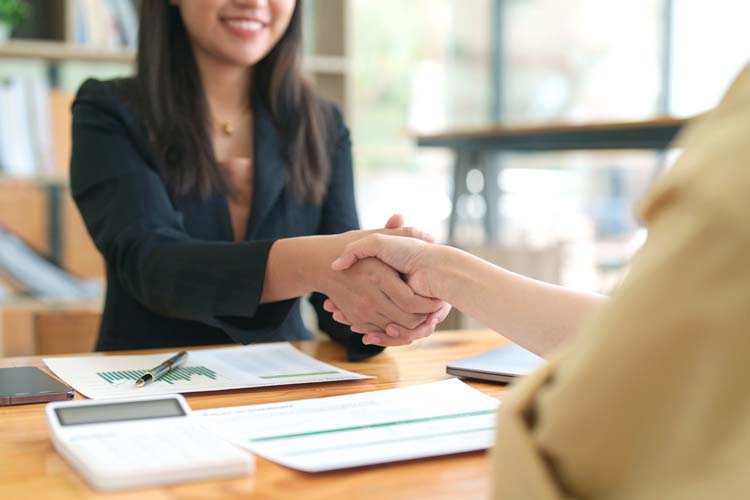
[[119, 412]]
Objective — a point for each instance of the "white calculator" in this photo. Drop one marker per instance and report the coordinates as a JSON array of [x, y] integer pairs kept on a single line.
[[141, 442]]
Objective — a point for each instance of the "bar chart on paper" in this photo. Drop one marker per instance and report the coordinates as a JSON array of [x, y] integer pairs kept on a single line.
[[180, 373], [278, 363]]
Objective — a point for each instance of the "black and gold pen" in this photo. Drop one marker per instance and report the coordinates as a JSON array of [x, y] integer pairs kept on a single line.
[[162, 369]]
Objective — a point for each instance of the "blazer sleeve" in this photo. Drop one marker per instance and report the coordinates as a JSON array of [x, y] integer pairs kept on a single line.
[[651, 400], [125, 205], [338, 215]]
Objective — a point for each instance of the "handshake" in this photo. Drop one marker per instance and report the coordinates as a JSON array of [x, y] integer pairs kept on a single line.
[[381, 284]]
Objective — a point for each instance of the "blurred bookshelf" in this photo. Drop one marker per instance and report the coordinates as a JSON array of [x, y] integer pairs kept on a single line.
[[42, 64], [327, 43], [96, 30], [61, 51], [65, 41]]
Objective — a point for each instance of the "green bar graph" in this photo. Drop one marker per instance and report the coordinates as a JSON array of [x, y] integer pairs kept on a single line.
[[179, 373]]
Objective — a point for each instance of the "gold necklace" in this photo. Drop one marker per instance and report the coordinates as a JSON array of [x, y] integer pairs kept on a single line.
[[227, 128]]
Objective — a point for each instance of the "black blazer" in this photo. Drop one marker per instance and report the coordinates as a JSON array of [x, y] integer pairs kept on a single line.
[[174, 275]]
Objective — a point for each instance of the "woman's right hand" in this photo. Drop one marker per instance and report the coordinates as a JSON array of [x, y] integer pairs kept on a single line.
[[370, 293], [411, 257]]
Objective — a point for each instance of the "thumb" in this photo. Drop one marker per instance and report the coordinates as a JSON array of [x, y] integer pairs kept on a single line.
[[368, 246], [396, 221]]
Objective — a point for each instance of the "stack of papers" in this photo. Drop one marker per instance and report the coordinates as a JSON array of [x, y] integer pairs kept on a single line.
[[261, 365], [315, 435]]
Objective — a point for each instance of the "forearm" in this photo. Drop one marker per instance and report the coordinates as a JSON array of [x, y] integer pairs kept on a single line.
[[293, 267], [536, 315]]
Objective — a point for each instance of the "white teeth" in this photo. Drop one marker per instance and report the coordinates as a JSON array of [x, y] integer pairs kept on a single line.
[[246, 25]]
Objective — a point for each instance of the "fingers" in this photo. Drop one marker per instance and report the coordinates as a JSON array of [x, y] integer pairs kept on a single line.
[[336, 313], [384, 246], [396, 221], [362, 328], [411, 322], [339, 316], [394, 312], [369, 246], [373, 245], [411, 232], [373, 293], [404, 297], [439, 316], [398, 331], [368, 328], [405, 336], [396, 335]]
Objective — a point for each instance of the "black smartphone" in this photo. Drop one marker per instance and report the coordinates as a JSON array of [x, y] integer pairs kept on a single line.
[[26, 384]]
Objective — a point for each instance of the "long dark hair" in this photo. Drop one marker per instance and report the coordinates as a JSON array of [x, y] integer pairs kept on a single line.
[[175, 110]]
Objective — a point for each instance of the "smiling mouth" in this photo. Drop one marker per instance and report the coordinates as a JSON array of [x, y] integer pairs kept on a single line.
[[244, 24]]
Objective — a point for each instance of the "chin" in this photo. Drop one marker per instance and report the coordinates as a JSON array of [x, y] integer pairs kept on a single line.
[[243, 57]]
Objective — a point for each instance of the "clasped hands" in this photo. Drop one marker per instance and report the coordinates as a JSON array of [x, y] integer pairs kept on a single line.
[[374, 294]]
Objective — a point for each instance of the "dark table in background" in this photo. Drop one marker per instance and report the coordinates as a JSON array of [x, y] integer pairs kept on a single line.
[[475, 149]]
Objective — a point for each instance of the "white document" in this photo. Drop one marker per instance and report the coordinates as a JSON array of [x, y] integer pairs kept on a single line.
[[261, 365], [315, 435]]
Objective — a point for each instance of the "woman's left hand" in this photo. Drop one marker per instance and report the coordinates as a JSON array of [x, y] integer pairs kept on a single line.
[[395, 335]]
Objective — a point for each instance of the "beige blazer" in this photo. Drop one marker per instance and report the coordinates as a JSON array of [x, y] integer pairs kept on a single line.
[[652, 400]]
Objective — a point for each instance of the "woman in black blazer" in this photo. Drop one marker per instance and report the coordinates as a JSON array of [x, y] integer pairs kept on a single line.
[[202, 178]]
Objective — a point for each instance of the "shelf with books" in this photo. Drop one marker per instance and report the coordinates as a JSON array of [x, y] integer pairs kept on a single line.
[[76, 29], [59, 51], [34, 129], [103, 24]]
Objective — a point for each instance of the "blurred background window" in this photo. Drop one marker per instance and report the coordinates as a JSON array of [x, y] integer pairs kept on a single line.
[[419, 66], [423, 67], [399, 69], [710, 45]]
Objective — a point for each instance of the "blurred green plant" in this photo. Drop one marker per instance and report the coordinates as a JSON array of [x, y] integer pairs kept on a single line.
[[13, 12]]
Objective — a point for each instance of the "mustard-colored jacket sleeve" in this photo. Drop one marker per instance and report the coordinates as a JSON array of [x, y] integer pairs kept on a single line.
[[652, 400]]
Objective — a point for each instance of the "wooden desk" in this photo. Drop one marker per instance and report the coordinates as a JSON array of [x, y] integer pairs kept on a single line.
[[35, 327], [32, 469], [472, 148]]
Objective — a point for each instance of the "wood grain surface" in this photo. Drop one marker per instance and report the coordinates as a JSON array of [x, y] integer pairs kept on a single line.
[[32, 469]]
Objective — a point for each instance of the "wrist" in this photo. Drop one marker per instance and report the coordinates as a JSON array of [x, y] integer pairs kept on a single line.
[[294, 267], [444, 265], [321, 251]]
